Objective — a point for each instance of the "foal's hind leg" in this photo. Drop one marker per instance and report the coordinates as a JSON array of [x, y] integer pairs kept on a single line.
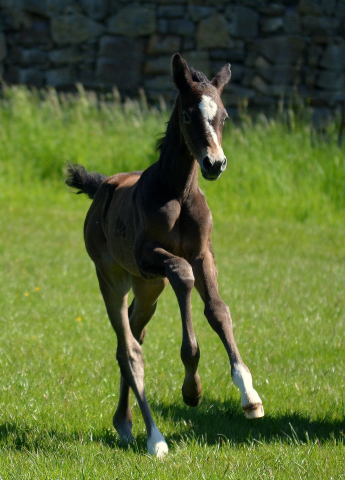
[[114, 284], [140, 312], [180, 274]]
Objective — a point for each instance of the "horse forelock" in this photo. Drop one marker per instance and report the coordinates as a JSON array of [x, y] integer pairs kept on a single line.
[[198, 76]]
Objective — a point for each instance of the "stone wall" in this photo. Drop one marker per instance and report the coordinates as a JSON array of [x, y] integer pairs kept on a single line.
[[277, 49]]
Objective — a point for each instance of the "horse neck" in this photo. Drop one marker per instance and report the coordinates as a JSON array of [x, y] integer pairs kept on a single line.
[[178, 169]]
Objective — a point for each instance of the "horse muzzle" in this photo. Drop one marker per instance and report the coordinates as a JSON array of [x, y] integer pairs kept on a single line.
[[211, 168]]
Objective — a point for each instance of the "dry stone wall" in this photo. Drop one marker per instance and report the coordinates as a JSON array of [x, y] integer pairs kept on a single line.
[[277, 49]]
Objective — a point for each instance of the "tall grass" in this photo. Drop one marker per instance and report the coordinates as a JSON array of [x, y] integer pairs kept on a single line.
[[276, 167], [42, 130]]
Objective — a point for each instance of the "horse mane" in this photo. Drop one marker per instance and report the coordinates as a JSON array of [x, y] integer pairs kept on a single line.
[[198, 77]]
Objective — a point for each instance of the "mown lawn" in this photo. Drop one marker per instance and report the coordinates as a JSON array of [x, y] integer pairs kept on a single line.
[[279, 244]]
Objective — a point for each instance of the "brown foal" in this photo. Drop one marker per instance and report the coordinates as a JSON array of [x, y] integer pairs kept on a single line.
[[144, 229]]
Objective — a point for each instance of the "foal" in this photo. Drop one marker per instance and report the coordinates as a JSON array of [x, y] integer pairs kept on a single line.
[[144, 229]]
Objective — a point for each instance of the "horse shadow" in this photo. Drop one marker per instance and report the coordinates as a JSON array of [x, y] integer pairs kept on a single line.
[[212, 423], [223, 422]]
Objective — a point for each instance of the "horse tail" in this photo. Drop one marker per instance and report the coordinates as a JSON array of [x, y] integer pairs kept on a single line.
[[78, 177]]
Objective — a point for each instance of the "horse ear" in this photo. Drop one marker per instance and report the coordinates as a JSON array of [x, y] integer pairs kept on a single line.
[[181, 73], [222, 78]]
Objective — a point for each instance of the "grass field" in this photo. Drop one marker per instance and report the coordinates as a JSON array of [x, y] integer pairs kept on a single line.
[[279, 241]]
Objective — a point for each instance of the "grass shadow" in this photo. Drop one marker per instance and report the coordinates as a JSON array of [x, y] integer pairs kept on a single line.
[[214, 422]]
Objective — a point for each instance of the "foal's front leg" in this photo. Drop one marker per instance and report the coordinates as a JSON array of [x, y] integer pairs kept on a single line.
[[218, 316]]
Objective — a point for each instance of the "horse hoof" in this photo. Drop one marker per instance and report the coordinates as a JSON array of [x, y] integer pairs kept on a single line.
[[254, 411], [191, 401], [156, 445]]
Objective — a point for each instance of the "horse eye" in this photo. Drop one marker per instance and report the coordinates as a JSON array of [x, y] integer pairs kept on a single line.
[[186, 117]]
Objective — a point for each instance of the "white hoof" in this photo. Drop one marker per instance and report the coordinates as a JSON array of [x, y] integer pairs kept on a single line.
[[250, 400], [156, 445], [254, 411]]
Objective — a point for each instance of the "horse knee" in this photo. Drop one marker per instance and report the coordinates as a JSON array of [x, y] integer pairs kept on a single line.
[[131, 363], [217, 314]]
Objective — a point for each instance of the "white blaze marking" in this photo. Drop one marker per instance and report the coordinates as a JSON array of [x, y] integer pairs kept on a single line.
[[208, 108]]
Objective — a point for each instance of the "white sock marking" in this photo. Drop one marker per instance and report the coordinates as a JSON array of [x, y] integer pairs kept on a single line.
[[156, 445], [243, 380]]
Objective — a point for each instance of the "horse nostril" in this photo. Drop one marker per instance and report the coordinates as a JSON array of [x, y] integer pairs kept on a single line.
[[206, 163], [224, 162]]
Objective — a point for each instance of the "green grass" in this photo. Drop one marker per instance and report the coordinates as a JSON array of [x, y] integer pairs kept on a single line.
[[279, 244]]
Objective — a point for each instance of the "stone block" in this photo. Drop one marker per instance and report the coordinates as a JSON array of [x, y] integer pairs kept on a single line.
[[182, 27], [200, 60], [233, 94], [243, 21], [162, 26], [271, 24], [120, 62], [170, 2], [87, 75], [310, 7], [3, 49], [171, 11], [133, 21], [67, 55], [35, 32], [212, 32], [31, 77], [34, 56], [197, 12], [72, 29], [331, 80], [334, 57], [61, 77], [280, 74], [95, 9], [310, 75], [292, 22], [56, 7], [11, 74], [156, 66], [284, 50], [159, 44], [260, 85], [188, 44], [282, 90], [35, 6], [158, 83], [272, 10], [329, 6], [320, 25]]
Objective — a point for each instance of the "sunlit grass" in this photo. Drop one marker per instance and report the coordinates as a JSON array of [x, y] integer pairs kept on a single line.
[[280, 251]]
